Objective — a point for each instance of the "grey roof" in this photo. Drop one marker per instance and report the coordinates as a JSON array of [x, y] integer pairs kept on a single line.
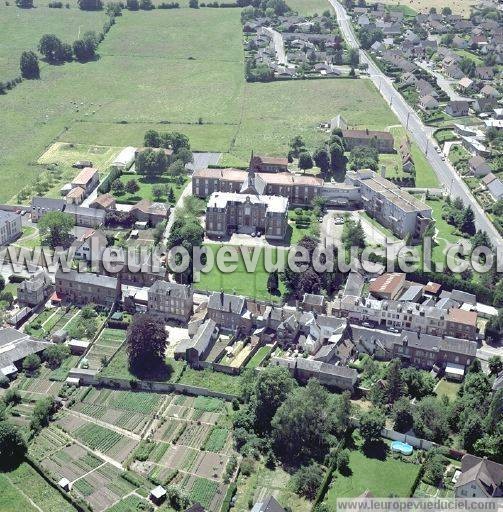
[[326, 368], [7, 216], [253, 184], [354, 284], [181, 291], [461, 296], [85, 212], [486, 473], [269, 504], [87, 278], [412, 293], [226, 303], [10, 335], [48, 203], [313, 299], [201, 339], [39, 280], [17, 345]]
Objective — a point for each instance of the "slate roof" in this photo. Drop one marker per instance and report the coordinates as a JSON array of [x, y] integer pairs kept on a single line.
[[226, 303], [486, 473], [181, 291]]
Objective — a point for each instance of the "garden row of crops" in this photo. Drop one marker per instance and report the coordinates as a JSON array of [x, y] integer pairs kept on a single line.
[[194, 435], [97, 438], [216, 440], [47, 442], [203, 491], [142, 402]]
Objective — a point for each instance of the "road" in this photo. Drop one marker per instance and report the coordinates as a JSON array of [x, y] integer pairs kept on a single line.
[[443, 83], [422, 135], [279, 46]]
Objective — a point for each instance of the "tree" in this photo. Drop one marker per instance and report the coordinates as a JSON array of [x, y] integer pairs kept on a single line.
[[117, 187], [307, 480], [171, 196], [185, 155], [394, 383], [132, 187], [434, 468], [51, 48], [495, 365], [55, 228], [305, 161], [151, 163], [363, 157], [272, 282], [194, 4], [471, 431], [2, 283], [418, 383], [468, 221], [157, 192], [371, 425], [90, 5], [402, 415], [146, 343], [297, 145], [322, 159], [431, 420], [31, 363], [343, 461], [24, 4], [152, 139], [54, 355], [302, 425], [85, 48], [42, 413], [353, 234], [272, 387], [12, 445], [446, 11], [28, 65], [336, 149], [133, 5], [353, 57]]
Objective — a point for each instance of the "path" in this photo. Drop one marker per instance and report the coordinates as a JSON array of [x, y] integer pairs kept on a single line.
[[444, 84], [423, 135]]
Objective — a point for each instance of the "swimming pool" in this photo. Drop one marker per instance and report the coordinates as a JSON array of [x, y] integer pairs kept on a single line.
[[404, 448]]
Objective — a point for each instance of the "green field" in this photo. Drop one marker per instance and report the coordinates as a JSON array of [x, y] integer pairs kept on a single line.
[[170, 70], [382, 478], [24, 486], [240, 282]]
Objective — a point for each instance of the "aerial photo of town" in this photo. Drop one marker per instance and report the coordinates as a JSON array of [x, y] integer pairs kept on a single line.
[[251, 255]]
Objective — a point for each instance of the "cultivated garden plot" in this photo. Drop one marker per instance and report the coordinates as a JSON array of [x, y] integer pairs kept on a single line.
[[105, 347], [168, 430], [48, 441], [208, 493], [125, 409]]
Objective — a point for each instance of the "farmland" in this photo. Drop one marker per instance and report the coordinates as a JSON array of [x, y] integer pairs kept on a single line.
[[181, 54]]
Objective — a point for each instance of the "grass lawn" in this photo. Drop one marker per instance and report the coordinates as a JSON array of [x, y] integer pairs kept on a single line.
[[310, 7], [263, 482], [470, 55], [24, 484], [259, 356], [216, 381], [252, 284], [184, 73], [381, 477], [146, 187], [448, 388]]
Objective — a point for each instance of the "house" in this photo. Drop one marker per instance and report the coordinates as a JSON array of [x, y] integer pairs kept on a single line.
[[312, 302], [10, 227], [170, 301], [424, 88], [480, 478], [478, 166], [90, 245], [76, 196], [388, 286], [428, 103], [484, 72], [41, 205], [196, 349], [268, 164], [226, 310], [104, 202], [454, 72], [461, 324], [459, 42], [494, 186], [84, 288], [35, 290], [147, 211], [85, 217], [382, 141], [465, 83], [87, 179], [490, 92], [481, 105], [457, 108], [268, 504]]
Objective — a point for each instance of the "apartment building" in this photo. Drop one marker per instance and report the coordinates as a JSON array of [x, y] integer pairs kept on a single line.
[[421, 350], [170, 301], [84, 288], [299, 190], [230, 212], [409, 316], [391, 206], [87, 179], [10, 227], [226, 310]]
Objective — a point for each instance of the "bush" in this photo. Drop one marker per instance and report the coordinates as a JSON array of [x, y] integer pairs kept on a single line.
[[31, 363]]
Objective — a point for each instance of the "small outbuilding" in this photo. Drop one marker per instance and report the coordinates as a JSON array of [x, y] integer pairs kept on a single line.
[[454, 371], [158, 494], [64, 483]]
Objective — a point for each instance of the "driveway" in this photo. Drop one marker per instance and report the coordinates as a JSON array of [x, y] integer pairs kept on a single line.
[[445, 84], [279, 46]]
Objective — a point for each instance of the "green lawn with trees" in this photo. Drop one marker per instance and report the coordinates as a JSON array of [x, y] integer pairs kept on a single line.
[[192, 61]]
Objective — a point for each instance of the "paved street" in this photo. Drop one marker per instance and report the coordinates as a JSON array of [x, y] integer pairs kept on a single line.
[[443, 83], [421, 134], [279, 45]]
